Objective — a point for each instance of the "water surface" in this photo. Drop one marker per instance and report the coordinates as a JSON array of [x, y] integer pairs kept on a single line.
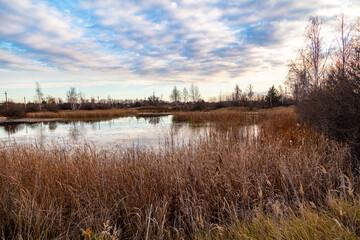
[[119, 132], [126, 131]]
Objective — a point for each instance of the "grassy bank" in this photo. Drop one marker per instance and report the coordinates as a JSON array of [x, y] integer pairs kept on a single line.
[[223, 117], [231, 117], [84, 114], [290, 182], [340, 220]]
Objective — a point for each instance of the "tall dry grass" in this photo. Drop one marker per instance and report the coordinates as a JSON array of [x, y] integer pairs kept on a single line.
[[216, 188], [84, 114], [222, 118], [155, 109], [338, 221]]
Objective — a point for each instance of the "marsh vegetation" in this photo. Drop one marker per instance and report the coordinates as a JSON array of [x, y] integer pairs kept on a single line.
[[289, 182]]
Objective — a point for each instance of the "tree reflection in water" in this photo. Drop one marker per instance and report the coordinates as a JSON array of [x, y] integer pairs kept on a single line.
[[147, 130], [154, 120], [11, 129], [53, 126], [76, 130]]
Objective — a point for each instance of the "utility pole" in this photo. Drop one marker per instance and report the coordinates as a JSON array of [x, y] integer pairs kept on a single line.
[[6, 100], [25, 103]]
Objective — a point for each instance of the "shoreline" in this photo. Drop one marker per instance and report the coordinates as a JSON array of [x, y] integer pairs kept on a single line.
[[29, 120], [39, 120]]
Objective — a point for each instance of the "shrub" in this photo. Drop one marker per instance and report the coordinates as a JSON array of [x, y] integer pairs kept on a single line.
[[335, 107], [64, 106], [88, 106], [52, 107], [199, 106], [32, 107], [13, 110]]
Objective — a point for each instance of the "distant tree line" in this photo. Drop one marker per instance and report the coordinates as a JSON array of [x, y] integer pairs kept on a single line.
[[238, 98], [187, 99]]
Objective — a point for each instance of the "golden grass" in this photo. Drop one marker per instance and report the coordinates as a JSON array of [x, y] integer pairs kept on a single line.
[[225, 118], [223, 186], [222, 117], [84, 114], [155, 109], [309, 223]]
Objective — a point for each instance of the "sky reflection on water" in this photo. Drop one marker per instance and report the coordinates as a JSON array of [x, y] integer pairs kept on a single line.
[[129, 131], [125, 132]]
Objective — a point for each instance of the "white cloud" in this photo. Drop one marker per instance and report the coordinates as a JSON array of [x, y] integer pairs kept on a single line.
[[12, 61], [160, 41]]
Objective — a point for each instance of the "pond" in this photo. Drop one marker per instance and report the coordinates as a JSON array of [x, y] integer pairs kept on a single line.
[[119, 132]]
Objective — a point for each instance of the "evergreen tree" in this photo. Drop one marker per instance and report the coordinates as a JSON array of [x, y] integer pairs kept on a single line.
[[273, 96]]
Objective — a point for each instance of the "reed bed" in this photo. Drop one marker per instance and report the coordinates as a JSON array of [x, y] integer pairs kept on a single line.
[[223, 118], [290, 182], [155, 109], [84, 114]]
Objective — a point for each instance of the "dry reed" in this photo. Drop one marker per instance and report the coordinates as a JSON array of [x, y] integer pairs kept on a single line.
[[84, 114], [223, 118], [216, 187]]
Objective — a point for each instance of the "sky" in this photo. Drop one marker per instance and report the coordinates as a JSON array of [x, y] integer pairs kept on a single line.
[[130, 48]]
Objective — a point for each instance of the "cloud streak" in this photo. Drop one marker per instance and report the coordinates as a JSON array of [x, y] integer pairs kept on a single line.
[[158, 41]]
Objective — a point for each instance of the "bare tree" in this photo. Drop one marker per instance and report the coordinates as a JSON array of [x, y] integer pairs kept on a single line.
[[109, 100], [220, 97], [81, 98], [153, 100], [236, 96], [298, 78], [357, 31], [92, 100], [50, 99], [315, 50], [194, 93], [39, 95], [308, 68], [345, 41], [282, 94], [175, 95], [250, 93], [212, 99], [72, 97], [185, 95]]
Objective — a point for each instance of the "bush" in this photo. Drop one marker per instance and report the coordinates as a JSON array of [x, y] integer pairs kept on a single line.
[[87, 106], [335, 107], [13, 110], [199, 106], [31, 107], [52, 107], [64, 106]]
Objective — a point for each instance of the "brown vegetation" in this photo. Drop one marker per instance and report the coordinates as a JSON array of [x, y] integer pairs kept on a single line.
[[328, 93], [12, 110], [227, 117], [155, 109], [84, 114], [222, 186], [335, 108]]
